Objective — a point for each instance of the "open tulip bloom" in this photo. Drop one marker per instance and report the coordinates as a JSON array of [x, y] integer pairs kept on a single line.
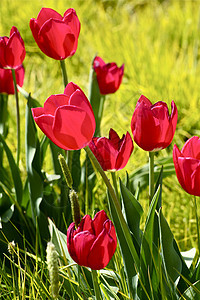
[[67, 119], [187, 165], [112, 153], [152, 127], [12, 50], [56, 36], [109, 76], [94, 242]]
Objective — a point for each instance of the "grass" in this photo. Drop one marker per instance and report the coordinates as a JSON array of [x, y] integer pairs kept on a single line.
[[159, 44]]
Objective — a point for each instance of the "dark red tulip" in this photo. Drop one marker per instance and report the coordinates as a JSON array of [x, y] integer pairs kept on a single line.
[[55, 35], [152, 127], [94, 242], [187, 165], [109, 76], [67, 119], [12, 50], [6, 80], [112, 153]]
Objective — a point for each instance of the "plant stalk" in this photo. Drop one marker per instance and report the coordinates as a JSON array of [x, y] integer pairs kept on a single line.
[[64, 72], [96, 285], [113, 174], [151, 176], [17, 115], [197, 224]]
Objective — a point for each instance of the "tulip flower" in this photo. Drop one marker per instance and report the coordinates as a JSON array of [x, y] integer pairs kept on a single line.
[[67, 119], [6, 80], [187, 165], [109, 76], [12, 50], [94, 242], [152, 127], [56, 36], [112, 153]]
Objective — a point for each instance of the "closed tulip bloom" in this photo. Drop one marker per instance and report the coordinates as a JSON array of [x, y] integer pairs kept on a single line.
[[94, 242], [112, 153], [12, 50], [152, 127], [109, 76], [67, 119], [56, 36], [6, 80], [187, 165]]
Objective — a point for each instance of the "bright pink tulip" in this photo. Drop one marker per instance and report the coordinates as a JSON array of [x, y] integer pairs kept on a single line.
[[187, 165], [152, 127], [109, 76], [12, 50], [67, 119], [94, 242], [55, 35], [113, 153], [6, 80]]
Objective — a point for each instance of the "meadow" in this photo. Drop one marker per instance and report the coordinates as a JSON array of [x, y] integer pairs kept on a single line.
[[159, 44]]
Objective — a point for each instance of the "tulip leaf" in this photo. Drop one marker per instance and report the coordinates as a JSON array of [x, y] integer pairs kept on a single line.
[[14, 171], [170, 257], [193, 292], [133, 212], [129, 262]]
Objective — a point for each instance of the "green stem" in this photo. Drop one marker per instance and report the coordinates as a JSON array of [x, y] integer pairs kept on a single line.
[[18, 115], [113, 174], [116, 204], [197, 223], [64, 72], [96, 285], [151, 175]]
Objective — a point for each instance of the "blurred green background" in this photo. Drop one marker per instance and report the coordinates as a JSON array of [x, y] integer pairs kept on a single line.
[[158, 41]]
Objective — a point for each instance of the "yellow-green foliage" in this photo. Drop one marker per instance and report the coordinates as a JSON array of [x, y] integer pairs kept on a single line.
[[158, 41]]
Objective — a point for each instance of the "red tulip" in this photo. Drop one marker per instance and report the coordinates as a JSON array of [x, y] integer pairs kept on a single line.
[[94, 242], [12, 50], [152, 127], [187, 165], [113, 153], [55, 35], [67, 119], [109, 76], [6, 80]]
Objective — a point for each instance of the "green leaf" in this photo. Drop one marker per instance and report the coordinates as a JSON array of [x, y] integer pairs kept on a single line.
[[193, 292], [132, 211], [14, 171], [170, 257]]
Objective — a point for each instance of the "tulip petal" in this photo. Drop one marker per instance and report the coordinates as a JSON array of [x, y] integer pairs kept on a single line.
[[72, 127], [86, 225], [124, 152], [71, 88], [105, 246], [3, 42], [53, 102], [98, 221], [15, 51], [58, 37], [45, 14], [192, 148]]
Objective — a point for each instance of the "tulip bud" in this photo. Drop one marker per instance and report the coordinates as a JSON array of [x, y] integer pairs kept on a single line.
[[66, 171], [75, 207], [52, 263]]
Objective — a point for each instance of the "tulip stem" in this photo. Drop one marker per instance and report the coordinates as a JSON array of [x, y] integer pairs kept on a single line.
[[64, 72], [197, 223], [113, 174], [18, 115], [151, 175], [96, 285], [116, 204]]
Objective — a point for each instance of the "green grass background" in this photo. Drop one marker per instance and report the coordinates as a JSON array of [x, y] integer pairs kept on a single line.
[[158, 41]]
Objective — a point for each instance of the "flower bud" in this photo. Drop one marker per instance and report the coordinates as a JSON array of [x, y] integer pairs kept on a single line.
[[75, 207], [66, 171]]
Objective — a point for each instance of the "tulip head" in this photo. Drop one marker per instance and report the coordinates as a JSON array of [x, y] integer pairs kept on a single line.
[[6, 80], [67, 119], [187, 165], [109, 76], [56, 36], [12, 50], [94, 242], [112, 153], [152, 127]]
